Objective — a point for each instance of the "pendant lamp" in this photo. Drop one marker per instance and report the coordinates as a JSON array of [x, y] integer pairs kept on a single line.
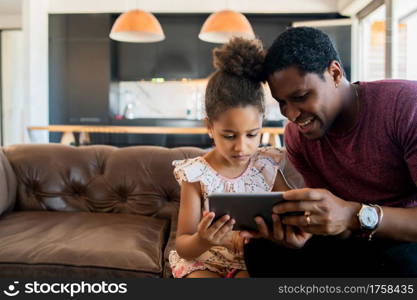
[[137, 26], [222, 25]]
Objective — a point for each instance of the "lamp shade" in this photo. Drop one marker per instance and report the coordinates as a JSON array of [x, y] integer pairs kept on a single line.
[[137, 26], [222, 25]]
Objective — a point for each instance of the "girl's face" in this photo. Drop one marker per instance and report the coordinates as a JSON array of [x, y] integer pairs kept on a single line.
[[236, 133]]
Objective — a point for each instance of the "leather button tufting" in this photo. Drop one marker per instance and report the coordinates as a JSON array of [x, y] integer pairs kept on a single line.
[[123, 198], [78, 189], [33, 186]]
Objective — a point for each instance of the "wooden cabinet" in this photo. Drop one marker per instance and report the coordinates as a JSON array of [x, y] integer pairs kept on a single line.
[[180, 55], [79, 69]]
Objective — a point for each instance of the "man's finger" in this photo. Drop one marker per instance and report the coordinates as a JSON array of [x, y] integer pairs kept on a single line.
[[303, 194], [294, 206], [303, 220], [278, 229], [262, 228]]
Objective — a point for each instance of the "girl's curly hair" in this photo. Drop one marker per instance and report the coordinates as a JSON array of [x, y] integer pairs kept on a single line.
[[237, 81]]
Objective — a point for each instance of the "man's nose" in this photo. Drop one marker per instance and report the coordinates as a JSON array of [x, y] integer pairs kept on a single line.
[[292, 112]]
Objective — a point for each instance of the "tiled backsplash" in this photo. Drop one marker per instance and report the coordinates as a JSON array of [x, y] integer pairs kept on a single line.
[[169, 99]]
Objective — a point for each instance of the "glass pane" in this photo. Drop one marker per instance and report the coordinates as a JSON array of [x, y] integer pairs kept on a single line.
[[374, 45], [407, 41]]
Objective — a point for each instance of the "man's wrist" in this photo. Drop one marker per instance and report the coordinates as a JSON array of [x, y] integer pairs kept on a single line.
[[353, 221]]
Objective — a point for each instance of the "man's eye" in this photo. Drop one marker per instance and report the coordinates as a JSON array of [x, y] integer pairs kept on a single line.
[[281, 102], [300, 98]]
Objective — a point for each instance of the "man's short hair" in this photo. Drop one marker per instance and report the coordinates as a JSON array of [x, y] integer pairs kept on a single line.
[[306, 48]]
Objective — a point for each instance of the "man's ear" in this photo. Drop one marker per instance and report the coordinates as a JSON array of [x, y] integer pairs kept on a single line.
[[335, 70], [209, 127]]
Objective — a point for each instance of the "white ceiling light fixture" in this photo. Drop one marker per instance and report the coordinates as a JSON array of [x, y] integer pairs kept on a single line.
[[225, 24], [137, 26]]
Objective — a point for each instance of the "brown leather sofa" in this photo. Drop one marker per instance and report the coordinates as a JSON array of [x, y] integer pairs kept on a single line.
[[88, 212], [95, 211]]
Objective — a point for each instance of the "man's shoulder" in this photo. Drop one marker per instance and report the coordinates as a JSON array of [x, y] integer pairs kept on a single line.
[[389, 93], [389, 86]]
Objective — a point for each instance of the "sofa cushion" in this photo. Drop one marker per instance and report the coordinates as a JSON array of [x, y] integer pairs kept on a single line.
[[124, 242], [99, 178]]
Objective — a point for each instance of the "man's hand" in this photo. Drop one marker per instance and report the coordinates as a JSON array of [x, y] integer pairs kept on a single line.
[[325, 214], [286, 235]]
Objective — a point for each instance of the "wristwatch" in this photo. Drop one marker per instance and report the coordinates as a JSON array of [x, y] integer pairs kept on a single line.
[[368, 217]]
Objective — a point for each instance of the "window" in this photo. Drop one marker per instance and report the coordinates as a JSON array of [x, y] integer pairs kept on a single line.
[[407, 42], [373, 45]]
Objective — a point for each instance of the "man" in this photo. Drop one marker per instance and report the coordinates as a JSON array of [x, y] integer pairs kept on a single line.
[[356, 147]]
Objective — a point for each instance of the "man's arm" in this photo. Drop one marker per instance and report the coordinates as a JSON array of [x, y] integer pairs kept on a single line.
[[331, 215]]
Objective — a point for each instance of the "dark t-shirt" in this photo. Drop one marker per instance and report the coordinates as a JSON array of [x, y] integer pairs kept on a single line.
[[373, 162]]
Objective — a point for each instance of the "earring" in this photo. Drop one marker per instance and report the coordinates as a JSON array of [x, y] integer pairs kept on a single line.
[[335, 85]]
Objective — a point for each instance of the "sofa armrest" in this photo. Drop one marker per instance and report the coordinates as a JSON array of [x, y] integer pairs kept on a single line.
[[8, 185], [167, 272]]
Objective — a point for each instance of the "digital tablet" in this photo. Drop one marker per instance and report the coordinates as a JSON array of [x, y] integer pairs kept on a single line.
[[244, 207]]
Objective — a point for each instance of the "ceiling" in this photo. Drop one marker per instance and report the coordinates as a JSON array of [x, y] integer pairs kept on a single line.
[[14, 7], [10, 7]]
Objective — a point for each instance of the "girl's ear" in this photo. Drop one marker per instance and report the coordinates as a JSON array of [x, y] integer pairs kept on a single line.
[[209, 127]]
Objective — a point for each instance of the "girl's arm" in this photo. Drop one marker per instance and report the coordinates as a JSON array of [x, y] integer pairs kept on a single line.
[[189, 243]]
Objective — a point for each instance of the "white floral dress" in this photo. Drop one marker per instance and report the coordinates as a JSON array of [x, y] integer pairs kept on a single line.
[[258, 177]]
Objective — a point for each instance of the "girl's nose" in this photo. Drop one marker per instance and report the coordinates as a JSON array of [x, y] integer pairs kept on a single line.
[[239, 145]]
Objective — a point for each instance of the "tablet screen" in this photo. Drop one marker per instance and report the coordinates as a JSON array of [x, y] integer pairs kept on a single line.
[[244, 207]]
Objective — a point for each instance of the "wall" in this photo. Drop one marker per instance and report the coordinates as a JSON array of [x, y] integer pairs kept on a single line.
[[146, 99], [12, 70], [13, 21], [35, 44]]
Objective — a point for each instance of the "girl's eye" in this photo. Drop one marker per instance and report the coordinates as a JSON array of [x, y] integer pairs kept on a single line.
[[252, 135], [229, 137]]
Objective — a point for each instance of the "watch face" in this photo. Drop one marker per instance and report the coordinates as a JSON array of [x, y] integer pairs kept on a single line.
[[368, 217]]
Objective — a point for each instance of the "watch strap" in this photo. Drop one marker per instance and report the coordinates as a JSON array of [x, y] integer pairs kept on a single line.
[[380, 216]]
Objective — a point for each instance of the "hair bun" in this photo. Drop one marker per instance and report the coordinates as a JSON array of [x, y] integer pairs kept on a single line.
[[241, 57]]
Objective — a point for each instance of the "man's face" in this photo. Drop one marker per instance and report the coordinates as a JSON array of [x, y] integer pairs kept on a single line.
[[310, 101]]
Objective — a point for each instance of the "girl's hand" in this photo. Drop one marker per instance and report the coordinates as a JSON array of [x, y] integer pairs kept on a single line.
[[288, 236], [238, 243], [217, 233]]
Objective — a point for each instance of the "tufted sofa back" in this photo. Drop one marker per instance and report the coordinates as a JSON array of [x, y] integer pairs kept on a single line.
[[135, 180]]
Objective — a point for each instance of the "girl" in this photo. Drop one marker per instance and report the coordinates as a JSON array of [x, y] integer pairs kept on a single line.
[[234, 107]]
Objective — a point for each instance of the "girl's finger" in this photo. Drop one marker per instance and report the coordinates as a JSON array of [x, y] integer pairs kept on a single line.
[[223, 230], [205, 221], [250, 234], [212, 230]]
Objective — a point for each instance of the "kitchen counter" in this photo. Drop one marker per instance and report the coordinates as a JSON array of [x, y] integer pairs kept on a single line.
[[270, 135]]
